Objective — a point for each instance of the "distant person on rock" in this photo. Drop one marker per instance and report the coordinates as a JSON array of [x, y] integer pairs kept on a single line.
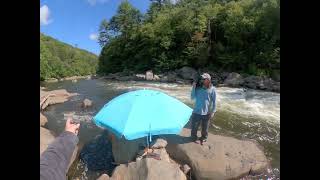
[[55, 160], [204, 95]]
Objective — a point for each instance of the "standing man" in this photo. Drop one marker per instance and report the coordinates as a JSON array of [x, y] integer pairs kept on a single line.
[[204, 95]]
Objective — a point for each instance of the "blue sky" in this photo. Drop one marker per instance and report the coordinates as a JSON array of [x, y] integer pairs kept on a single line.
[[76, 22]]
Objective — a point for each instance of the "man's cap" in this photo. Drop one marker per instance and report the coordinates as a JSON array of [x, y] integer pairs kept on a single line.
[[206, 76]]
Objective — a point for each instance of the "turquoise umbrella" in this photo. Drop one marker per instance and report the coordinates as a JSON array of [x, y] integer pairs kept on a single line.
[[143, 113]]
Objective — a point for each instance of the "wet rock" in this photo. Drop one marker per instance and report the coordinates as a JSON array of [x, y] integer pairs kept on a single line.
[[186, 73], [234, 80]]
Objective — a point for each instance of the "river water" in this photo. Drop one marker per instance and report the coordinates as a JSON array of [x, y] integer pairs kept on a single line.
[[241, 113]]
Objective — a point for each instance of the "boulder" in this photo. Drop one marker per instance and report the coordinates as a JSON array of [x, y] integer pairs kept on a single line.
[[54, 97], [46, 138], [43, 120], [219, 158], [148, 169], [171, 77], [234, 80], [140, 76], [86, 103], [187, 73], [253, 82], [149, 75], [156, 78]]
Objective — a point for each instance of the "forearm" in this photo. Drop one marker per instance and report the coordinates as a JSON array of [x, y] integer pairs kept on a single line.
[[193, 93], [55, 160]]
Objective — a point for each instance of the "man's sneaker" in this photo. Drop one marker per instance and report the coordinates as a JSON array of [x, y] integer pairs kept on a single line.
[[198, 141]]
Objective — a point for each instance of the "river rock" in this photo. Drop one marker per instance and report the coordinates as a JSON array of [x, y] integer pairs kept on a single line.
[[234, 80], [86, 103], [253, 82], [52, 80], [148, 169], [140, 76], [187, 73], [149, 75], [220, 158], [54, 97], [97, 154], [156, 78], [43, 120], [46, 138], [172, 77]]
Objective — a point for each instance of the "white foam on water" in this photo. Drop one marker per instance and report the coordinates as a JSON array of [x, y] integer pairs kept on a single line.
[[247, 103]]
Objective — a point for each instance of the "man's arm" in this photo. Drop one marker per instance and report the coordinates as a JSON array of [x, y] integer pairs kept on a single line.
[[193, 91], [55, 159], [213, 101]]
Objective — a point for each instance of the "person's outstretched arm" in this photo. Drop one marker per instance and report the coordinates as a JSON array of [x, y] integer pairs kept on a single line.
[[193, 91], [55, 160]]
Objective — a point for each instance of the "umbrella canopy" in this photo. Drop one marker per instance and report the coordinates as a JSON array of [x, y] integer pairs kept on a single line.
[[143, 113]]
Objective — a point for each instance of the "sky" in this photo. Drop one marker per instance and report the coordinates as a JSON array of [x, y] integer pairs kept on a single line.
[[76, 22]]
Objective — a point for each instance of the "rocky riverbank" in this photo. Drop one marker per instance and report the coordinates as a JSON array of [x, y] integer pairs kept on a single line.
[[72, 78], [186, 75]]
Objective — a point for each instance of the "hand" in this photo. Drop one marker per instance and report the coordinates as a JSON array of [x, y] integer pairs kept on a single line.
[[194, 84], [72, 127]]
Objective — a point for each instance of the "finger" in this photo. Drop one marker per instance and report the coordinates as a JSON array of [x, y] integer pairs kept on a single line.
[[68, 121], [78, 126]]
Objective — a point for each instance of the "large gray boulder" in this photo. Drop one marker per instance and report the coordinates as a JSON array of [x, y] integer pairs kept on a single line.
[[220, 158], [148, 169], [234, 80], [187, 73]]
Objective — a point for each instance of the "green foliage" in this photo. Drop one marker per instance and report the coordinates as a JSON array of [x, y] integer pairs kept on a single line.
[[242, 35], [58, 60]]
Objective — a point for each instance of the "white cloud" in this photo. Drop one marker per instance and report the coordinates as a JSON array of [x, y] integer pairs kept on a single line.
[[94, 2], [93, 36], [45, 15]]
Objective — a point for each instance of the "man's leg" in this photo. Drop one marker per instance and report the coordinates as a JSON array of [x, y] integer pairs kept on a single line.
[[195, 122], [205, 127]]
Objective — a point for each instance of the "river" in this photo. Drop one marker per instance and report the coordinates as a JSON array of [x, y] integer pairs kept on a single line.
[[241, 113]]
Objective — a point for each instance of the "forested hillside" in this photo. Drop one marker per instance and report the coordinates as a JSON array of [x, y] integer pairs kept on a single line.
[[58, 59]]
